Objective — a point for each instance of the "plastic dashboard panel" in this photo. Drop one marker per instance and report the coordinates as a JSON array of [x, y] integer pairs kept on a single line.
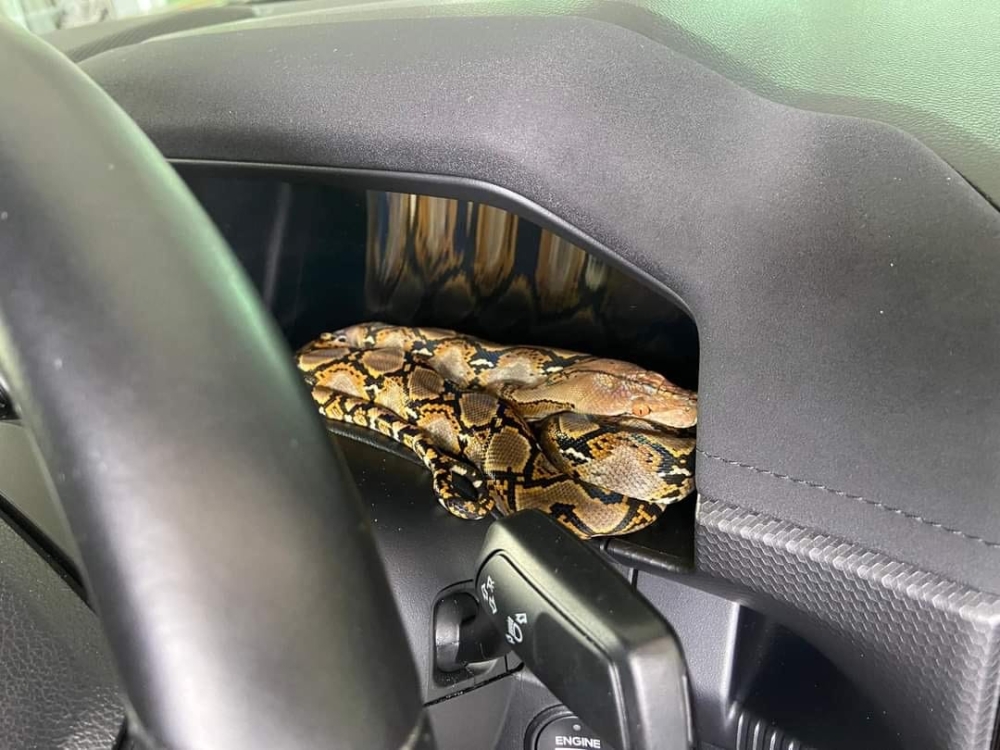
[[843, 278]]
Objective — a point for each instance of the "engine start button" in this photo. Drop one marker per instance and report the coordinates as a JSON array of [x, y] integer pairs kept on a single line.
[[567, 732]]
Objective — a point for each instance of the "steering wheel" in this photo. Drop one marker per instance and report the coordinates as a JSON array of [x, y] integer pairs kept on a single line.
[[223, 543]]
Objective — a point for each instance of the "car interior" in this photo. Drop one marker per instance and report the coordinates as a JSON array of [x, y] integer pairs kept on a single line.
[[191, 557]]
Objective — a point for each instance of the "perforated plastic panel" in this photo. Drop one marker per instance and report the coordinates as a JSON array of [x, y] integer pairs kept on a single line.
[[926, 649]]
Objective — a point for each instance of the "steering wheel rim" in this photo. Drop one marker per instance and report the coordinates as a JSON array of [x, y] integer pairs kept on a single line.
[[222, 540]]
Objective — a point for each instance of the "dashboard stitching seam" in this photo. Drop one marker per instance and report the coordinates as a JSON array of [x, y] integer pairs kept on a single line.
[[840, 493]]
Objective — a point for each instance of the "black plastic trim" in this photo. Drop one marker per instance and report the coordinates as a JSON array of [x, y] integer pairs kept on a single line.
[[7, 411], [438, 185]]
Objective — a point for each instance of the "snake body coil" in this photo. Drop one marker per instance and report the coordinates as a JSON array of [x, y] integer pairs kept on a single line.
[[601, 445]]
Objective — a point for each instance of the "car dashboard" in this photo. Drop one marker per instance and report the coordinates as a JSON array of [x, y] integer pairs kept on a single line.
[[824, 282]]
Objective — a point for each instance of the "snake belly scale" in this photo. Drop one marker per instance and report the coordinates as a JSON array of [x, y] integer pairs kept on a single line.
[[600, 444]]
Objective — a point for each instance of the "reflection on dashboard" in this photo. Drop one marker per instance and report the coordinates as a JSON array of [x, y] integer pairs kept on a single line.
[[483, 270], [325, 257]]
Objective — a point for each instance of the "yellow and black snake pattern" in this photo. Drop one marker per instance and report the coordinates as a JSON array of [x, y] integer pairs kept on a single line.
[[600, 444]]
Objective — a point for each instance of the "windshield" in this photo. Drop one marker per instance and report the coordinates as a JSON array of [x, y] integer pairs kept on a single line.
[[41, 16]]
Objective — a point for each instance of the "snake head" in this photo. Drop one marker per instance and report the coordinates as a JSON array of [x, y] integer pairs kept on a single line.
[[649, 395], [674, 407]]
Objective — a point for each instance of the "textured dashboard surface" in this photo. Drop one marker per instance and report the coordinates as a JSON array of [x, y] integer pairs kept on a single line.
[[911, 638], [57, 686]]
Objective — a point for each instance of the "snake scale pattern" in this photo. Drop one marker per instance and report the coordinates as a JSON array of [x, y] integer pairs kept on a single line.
[[599, 444]]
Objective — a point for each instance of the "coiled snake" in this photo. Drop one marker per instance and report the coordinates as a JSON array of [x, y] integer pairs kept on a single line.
[[601, 445]]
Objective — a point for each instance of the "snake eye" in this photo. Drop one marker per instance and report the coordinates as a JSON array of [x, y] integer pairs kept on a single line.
[[640, 409]]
